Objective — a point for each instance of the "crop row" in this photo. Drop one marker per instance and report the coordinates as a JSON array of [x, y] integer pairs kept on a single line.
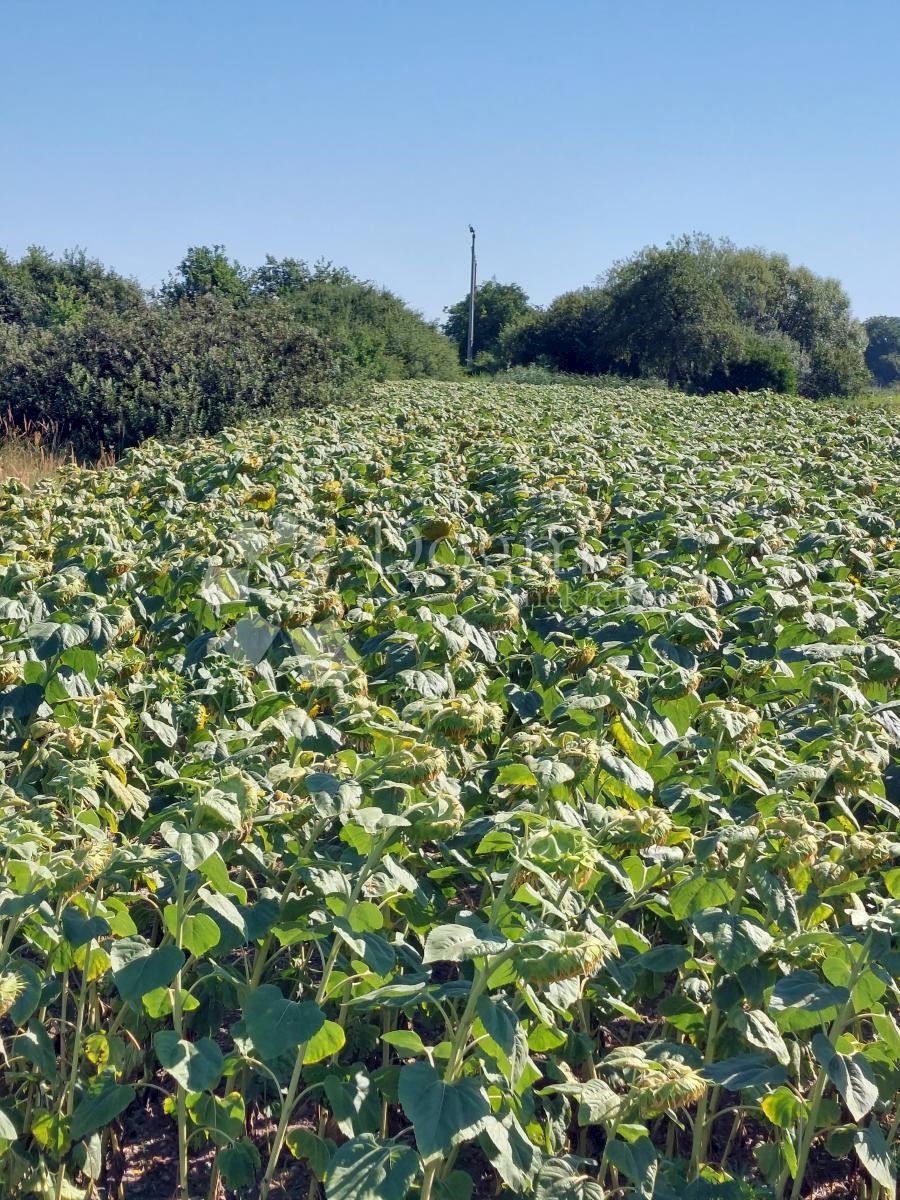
[[487, 790]]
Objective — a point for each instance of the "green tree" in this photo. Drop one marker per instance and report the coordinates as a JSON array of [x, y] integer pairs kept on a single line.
[[373, 328], [113, 379], [206, 271], [758, 362], [669, 314], [702, 315], [570, 335], [815, 313], [498, 306], [41, 289], [883, 350]]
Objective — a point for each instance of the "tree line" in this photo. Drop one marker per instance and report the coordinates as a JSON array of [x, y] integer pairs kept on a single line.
[[696, 313], [107, 363]]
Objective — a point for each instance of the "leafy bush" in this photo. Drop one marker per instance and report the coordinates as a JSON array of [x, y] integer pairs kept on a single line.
[[883, 350], [497, 307], [112, 379], [205, 271], [42, 290], [702, 315], [109, 365], [382, 337], [569, 335], [759, 364]]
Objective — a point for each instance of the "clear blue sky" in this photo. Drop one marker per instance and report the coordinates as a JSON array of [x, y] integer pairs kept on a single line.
[[371, 132]]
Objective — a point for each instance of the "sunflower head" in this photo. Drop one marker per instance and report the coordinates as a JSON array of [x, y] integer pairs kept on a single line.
[[12, 985], [439, 528], [11, 671], [551, 955], [581, 658], [665, 1086]]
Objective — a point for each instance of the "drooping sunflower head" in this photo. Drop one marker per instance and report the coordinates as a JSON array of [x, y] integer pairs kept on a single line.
[[466, 718], [420, 762], [262, 497], [437, 818], [12, 985], [497, 613], [581, 658], [665, 1086], [551, 955], [11, 672], [735, 724], [439, 527]]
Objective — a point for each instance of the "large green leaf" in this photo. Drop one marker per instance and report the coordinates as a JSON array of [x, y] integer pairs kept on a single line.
[[101, 1102], [192, 848], [51, 638], [138, 970], [662, 959], [549, 772], [365, 1168], [624, 778], [199, 933], [326, 1041], [458, 1185], [696, 893], [312, 1149], [239, 1164], [782, 1107], [197, 1066], [354, 1102], [638, 1161], [804, 990], [760, 1030], [500, 1022], [166, 733], [850, 1074], [79, 929], [276, 1024], [559, 1179], [876, 1156], [223, 1117], [442, 1114], [457, 943], [36, 1046], [8, 1131], [732, 940], [745, 1071], [510, 1151]]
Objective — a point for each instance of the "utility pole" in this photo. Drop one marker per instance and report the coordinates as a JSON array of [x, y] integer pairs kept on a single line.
[[470, 348]]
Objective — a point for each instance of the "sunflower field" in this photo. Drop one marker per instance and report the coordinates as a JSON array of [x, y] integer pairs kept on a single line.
[[480, 791]]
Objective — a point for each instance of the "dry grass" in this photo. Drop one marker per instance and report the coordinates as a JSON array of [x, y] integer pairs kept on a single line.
[[29, 452], [33, 451], [886, 399]]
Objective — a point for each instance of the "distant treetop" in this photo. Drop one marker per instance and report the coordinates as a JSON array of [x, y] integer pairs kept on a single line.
[[702, 315], [883, 350]]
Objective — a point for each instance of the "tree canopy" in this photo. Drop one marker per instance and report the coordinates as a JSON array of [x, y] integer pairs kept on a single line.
[[207, 271], [381, 335], [109, 363], [883, 350], [497, 306], [701, 315]]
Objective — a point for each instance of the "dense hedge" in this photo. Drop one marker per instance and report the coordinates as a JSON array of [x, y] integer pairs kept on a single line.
[[108, 364], [701, 315], [113, 379]]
